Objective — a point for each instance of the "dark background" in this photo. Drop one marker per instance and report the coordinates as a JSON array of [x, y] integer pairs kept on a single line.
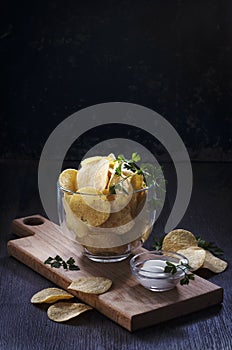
[[58, 57]]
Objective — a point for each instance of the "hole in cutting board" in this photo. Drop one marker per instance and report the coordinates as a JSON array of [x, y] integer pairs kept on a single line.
[[33, 221]]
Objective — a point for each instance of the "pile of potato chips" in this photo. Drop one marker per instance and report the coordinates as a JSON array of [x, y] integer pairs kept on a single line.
[[64, 311], [185, 243], [103, 221]]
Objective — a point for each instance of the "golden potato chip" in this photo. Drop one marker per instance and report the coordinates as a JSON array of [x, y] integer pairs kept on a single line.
[[119, 218], [91, 160], [68, 179], [213, 263], [137, 181], [178, 239], [61, 312], [94, 175], [92, 285], [73, 223], [90, 207], [111, 157], [195, 256], [50, 295]]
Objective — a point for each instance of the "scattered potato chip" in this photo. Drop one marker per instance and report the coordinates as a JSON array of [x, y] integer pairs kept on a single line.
[[90, 207], [92, 285], [62, 311], [68, 179], [195, 256], [178, 239], [50, 295], [213, 263]]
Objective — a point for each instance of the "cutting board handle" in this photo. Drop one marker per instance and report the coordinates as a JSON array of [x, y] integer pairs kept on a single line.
[[28, 225]]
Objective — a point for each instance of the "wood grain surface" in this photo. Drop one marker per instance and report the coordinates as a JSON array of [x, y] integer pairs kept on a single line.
[[25, 326], [127, 302]]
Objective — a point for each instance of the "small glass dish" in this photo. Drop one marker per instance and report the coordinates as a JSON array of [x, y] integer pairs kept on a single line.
[[148, 269]]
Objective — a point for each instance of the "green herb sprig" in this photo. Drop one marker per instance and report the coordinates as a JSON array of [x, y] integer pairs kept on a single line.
[[172, 268], [129, 165], [158, 243], [154, 175], [57, 262], [210, 246]]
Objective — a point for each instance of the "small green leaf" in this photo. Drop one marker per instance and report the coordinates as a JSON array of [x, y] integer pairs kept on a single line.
[[135, 157], [191, 276], [73, 267], [112, 189], [56, 264], [65, 266], [48, 261], [121, 157], [210, 246], [70, 261], [185, 280], [158, 244], [58, 258], [168, 269], [118, 170]]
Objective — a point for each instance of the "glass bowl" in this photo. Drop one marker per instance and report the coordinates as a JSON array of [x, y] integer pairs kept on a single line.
[[108, 228], [148, 269]]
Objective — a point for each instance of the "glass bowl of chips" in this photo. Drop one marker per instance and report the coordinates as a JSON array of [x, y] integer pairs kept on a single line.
[[109, 214], [148, 268]]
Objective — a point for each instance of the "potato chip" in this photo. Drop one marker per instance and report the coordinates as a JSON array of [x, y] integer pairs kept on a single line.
[[94, 175], [213, 263], [73, 223], [178, 239], [119, 218], [68, 179], [195, 256], [137, 181], [50, 295], [90, 207], [62, 311], [111, 157], [91, 160], [92, 285]]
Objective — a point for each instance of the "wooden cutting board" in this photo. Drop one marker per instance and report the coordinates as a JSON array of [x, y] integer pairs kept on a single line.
[[127, 302]]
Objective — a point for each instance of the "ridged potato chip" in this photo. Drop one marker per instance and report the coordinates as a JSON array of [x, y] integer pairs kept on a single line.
[[92, 285], [213, 263], [68, 179], [90, 207], [195, 256], [119, 218], [178, 239], [61, 312], [74, 224], [50, 295]]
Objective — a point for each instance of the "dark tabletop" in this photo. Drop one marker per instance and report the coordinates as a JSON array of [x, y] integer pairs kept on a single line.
[[25, 326]]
